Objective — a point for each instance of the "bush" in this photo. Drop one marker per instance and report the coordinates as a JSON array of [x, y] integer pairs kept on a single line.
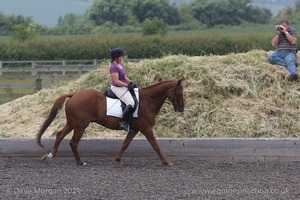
[[136, 46], [191, 25], [110, 27], [153, 26], [24, 32]]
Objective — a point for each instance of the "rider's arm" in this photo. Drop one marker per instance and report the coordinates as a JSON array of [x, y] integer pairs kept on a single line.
[[127, 79], [115, 78]]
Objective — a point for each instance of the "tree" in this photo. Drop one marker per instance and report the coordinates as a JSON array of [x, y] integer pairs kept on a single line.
[[186, 13], [7, 23], [229, 12], [161, 9], [258, 15], [72, 24], [297, 5], [187, 20], [23, 32], [290, 13], [117, 11], [70, 19]]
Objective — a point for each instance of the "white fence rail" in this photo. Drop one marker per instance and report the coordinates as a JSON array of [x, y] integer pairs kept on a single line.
[[37, 71], [62, 66]]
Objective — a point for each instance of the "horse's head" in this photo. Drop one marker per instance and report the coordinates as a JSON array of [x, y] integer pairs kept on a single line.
[[175, 95]]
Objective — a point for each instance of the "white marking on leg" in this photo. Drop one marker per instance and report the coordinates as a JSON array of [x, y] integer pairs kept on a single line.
[[47, 156]]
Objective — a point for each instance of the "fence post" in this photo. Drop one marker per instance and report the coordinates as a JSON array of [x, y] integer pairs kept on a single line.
[[38, 84], [63, 65], [0, 67], [33, 66], [54, 80], [95, 62]]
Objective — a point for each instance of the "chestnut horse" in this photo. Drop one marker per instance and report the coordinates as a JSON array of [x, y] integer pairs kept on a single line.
[[90, 106]]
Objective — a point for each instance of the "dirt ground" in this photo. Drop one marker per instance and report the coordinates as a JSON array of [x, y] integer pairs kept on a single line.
[[146, 178]]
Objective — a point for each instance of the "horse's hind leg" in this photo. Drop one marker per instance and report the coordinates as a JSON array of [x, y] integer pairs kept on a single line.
[[126, 143], [74, 144], [59, 137]]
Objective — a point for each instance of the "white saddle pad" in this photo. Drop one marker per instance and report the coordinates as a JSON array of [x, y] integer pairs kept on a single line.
[[113, 106]]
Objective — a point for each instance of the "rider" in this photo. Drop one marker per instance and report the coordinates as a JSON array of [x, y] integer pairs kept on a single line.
[[121, 85]]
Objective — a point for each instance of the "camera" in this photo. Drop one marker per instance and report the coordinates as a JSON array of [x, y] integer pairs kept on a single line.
[[278, 28]]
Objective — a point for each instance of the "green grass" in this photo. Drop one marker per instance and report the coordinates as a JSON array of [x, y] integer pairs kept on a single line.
[[25, 91]]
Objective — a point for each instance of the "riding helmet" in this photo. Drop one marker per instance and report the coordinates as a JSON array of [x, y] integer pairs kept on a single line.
[[116, 53]]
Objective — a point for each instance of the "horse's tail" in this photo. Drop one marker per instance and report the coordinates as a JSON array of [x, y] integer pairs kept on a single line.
[[55, 108]]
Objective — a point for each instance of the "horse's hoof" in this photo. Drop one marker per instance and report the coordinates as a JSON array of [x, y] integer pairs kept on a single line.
[[81, 163], [47, 156], [168, 163], [119, 161]]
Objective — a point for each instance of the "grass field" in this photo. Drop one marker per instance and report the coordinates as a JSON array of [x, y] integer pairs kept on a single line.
[[25, 91]]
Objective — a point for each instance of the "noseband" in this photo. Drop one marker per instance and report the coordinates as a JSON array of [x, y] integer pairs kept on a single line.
[[173, 97]]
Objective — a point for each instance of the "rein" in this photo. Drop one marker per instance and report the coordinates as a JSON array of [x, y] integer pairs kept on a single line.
[[173, 97], [173, 93]]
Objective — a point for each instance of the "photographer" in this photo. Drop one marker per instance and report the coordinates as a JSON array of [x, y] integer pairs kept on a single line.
[[285, 41]]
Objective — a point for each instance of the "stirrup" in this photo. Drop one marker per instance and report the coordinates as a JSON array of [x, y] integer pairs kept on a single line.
[[126, 127]]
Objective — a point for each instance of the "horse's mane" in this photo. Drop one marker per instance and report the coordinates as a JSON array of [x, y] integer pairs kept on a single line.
[[156, 89], [160, 83]]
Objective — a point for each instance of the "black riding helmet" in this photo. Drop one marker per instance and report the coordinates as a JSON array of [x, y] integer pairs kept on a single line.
[[116, 53]]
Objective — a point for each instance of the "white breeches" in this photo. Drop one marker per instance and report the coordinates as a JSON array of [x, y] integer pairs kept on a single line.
[[123, 94]]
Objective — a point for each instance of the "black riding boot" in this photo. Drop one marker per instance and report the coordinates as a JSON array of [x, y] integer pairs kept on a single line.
[[126, 122]]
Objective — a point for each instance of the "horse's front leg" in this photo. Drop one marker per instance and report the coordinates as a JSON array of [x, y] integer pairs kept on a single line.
[[151, 138], [74, 144], [126, 143]]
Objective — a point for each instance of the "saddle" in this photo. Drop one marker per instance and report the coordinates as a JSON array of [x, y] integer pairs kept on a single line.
[[109, 93]]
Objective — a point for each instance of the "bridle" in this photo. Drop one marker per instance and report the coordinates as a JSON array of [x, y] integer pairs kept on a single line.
[[174, 97]]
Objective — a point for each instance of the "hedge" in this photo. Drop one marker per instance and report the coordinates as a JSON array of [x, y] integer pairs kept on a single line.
[[136, 46]]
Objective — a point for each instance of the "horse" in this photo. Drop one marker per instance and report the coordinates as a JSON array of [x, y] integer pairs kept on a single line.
[[89, 105]]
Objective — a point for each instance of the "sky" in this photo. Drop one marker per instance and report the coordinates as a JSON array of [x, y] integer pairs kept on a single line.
[[44, 12]]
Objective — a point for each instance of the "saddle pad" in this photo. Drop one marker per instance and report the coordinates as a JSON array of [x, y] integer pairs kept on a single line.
[[113, 106]]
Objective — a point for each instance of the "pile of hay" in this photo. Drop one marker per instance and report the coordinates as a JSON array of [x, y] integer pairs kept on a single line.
[[237, 95]]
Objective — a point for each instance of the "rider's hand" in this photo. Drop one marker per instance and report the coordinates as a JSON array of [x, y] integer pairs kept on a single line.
[[134, 85], [130, 86]]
